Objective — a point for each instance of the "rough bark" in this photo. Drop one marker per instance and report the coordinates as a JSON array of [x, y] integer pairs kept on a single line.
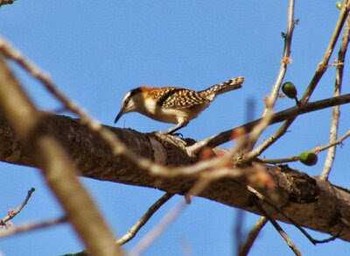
[[310, 202]]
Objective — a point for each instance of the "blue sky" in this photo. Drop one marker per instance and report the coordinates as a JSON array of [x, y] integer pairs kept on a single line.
[[97, 51]]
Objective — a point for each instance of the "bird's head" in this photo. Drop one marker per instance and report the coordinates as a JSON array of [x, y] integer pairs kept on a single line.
[[129, 102]]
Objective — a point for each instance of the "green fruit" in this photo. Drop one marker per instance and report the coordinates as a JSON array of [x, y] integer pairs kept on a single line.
[[288, 88], [308, 158], [339, 5]]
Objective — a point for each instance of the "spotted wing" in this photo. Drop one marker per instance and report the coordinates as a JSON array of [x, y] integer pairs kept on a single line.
[[180, 98]]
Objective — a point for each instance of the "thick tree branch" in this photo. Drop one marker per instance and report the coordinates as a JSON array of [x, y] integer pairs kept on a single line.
[[308, 201]]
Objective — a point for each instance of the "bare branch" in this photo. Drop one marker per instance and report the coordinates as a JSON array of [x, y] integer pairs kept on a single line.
[[58, 169], [313, 203], [151, 236], [336, 109], [278, 117], [143, 220], [18, 209], [32, 227], [286, 58], [253, 234], [259, 199], [321, 69], [322, 66], [315, 150]]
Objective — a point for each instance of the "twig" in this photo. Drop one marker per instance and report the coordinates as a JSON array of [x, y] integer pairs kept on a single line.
[[257, 197], [253, 234], [278, 117], [152, 235], [31, 227], [286, 56], [316, 150], [280, 230], [260, 127], [322, 66], [337, 142], [57, 168], [139, 224], [203, 181], [336, 109], [16, 211], [238, 229], [143, 220], [321, 69], [227, 135]]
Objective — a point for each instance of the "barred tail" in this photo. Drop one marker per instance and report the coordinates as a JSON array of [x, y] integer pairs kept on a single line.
[[232, 84]]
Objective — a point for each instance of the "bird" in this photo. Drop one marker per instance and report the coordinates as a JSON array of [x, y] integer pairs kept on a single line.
[[173, 104]]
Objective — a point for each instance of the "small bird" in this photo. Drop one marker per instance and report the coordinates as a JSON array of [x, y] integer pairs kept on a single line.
[[173, 104]]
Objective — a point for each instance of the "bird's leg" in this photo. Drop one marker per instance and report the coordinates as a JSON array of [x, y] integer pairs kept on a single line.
[[176, 127]]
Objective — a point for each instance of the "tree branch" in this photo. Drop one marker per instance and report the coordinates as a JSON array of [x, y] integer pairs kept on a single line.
[[278, 117], [308, 201], [18, 209]]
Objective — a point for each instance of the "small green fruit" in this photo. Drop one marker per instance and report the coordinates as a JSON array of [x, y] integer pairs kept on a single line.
[[308, 158], [288, 88], [339, 5]]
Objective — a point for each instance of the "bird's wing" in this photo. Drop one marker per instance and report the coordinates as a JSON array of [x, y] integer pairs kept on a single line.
[[180, 98]]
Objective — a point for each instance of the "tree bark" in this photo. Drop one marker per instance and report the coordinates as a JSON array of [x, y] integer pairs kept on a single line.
[[309, 201]]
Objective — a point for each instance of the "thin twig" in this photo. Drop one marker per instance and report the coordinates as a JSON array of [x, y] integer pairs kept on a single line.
[[152, 235], [258, 129], [58, 169], [280, 230], [31, 227], [18, 209], [277, 117], [258, 195], [253, 234], [315, 150], [274, 223], [143, 220], [321, 69], [286, 59], [336, 109], [323, 65], [238, 229], [227, 135]]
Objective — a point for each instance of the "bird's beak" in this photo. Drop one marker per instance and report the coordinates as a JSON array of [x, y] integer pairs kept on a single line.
[[121, 112]]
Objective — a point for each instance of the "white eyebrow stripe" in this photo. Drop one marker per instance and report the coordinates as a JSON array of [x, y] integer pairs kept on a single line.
[[126, 96]]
